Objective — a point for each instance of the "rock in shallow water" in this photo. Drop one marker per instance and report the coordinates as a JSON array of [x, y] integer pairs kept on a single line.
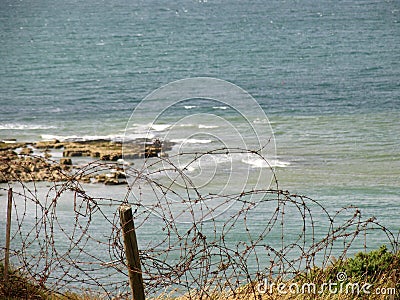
[[66, 161], [26, 167]]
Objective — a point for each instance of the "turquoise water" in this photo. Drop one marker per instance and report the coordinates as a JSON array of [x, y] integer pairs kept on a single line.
[[326, 74]]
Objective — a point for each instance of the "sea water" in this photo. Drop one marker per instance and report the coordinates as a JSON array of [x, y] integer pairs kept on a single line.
[[326, 75]]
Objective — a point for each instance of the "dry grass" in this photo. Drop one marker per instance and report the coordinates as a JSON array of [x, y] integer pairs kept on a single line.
[[379, 268], [248, 294]]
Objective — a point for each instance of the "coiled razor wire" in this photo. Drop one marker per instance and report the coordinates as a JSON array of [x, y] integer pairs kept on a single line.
[[67, 239]]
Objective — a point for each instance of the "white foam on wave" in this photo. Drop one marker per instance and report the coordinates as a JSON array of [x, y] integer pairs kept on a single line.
[[187, 168], [190, 106], [201, 126], [190, 141], [206, 162], [142, 128], [19, 126], [262, 121], [186, 125], [159, 127], [222, 158], [220, 107], [258, 162]]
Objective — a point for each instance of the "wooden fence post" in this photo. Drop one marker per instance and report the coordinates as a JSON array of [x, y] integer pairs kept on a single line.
[[132, 252], [8, 236]]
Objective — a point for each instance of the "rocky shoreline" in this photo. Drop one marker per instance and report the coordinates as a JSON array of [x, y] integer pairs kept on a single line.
[[20, 161]]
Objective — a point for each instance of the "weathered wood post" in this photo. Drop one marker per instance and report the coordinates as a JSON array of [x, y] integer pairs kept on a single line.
[[132, 252], [8, 236]]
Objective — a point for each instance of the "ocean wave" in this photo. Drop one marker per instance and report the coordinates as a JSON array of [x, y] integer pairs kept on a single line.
[[190, 106], [135, 136], [201, 126], [187, 168], [19, 126], [142, 128], [190, 141], [220, 107], [186, 125], [159, 127], [258, 162], [262, 121], [206, 162]]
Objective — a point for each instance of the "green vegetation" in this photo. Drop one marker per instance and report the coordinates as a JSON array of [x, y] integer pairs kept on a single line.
[[369, 266], [379, 268], [373, 265]]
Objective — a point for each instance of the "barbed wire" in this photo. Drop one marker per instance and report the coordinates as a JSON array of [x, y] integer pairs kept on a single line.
[[65, 237]]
